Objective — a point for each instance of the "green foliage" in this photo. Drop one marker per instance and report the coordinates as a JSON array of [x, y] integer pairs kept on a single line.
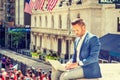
[[52, 56], [17, 37]]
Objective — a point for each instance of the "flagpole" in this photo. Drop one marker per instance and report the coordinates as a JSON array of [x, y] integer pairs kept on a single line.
[[69, 31]]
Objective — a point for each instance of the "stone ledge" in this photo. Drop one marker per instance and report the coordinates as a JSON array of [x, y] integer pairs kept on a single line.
[[110, 71]]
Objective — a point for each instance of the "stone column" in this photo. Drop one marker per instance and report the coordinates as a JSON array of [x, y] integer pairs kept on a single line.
[[43, 21], [55, 45], [38, 42], [49, 21], [32, 39], [63, 50], [44, 44], [56, 21], [37, 21], [64, 21], [48, 40], [43, 41], [32, 43], [32, 21]]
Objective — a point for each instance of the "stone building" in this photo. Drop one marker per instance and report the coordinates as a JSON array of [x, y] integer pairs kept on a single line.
[[2, 12], [51, 31]]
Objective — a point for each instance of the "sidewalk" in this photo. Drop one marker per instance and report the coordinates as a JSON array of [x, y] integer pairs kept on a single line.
[[24, 59]]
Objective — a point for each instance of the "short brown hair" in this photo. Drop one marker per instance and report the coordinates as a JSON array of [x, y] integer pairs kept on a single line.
[[78, 21]]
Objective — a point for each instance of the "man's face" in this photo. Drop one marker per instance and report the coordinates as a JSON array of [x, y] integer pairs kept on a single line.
[[78, 30]]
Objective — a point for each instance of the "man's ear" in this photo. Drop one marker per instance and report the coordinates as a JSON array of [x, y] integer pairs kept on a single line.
[[83, 27]]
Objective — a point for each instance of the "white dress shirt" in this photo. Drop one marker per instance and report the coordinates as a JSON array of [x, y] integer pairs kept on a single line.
[[80, 41]]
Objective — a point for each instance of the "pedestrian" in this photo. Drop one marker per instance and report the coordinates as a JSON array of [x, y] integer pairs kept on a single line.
[[84, 62], [45, 77], [8, 62], [39, 76], [3, 61], [3, 73], [49, 75]]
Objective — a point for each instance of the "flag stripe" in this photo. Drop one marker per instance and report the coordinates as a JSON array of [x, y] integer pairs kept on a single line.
[[51, 4], [27, 8], [29, 5], [39, 4]]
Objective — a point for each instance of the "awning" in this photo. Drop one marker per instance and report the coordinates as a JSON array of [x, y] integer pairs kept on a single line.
[[110, 44]]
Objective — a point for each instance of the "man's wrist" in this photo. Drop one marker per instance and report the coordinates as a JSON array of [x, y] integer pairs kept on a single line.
[[80, 63]]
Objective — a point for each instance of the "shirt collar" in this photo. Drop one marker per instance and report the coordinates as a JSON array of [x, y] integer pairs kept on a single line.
[[83, 35]]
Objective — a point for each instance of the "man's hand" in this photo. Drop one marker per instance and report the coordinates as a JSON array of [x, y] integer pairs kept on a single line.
[[71, 65]]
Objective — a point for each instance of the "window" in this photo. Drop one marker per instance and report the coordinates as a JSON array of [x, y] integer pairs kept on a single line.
[[109, 1], [69, 2], [78, 15], [60, 22], [46, 21], [11, 1], [40, 20], [68, 21], [118, 24], [117, 6], [79, 2], [2, 3], [52, 19], [35, 39], [35, 21]]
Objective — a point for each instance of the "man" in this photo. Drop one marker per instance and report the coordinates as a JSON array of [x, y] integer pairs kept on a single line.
[[84, 63]]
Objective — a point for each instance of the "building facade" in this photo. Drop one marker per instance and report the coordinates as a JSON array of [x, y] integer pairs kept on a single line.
[[51, 31], [2, 11], [19, 12]]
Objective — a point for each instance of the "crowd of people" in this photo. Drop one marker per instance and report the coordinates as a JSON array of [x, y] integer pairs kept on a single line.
[[9, 72]]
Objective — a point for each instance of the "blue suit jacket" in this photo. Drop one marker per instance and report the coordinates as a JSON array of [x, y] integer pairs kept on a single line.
[[89, 56]]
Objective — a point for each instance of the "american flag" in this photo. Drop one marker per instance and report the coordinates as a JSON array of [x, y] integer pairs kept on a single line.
[[51, 4], [39, 4], [29, 5], [32, 4]]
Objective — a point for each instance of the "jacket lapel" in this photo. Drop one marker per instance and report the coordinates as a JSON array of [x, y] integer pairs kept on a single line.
[[84, 44]]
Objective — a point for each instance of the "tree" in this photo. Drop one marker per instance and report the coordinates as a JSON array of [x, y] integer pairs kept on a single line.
[[17, 38]]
